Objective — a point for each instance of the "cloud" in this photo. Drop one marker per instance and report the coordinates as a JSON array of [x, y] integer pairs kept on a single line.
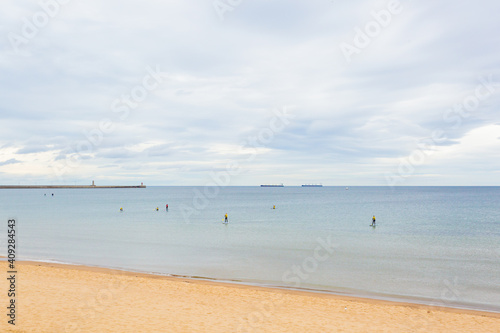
[[33, 149], [222, 79], [11, 161]]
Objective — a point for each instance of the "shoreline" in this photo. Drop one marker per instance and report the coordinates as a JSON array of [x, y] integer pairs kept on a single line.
[[56, 297], [352, 296], [245, 285]]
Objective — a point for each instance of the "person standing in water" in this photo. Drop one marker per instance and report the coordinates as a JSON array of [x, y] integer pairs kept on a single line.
[[373, 220], [225, 218], [166, 207]]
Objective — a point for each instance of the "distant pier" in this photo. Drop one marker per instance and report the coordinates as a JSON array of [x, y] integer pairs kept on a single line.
[[65, 186], [68, 186]]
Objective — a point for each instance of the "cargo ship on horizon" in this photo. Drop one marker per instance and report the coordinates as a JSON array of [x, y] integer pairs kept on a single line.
[[272, 185]]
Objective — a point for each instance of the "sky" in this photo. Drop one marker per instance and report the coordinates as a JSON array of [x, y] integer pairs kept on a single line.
[[240, 92]]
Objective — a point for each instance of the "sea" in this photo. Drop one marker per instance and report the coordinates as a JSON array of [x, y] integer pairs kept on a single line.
[[431, 245]]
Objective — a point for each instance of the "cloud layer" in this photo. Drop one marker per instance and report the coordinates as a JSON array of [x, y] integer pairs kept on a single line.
[[165, 92]]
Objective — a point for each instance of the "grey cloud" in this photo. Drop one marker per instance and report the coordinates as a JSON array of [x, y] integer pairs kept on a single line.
[[224, 77], [10, 161], [33, 149]]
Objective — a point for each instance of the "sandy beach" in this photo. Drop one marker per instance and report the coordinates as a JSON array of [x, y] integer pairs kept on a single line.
[[66, 298]]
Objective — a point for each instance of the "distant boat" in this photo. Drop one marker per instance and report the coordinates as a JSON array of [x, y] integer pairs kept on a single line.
[[346, 188], [272, 185], [312, 185]]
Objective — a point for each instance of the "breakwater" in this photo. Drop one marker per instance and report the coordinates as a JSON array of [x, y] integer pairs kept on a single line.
[[67, 186]]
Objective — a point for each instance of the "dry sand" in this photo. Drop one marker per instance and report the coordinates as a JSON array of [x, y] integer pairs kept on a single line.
[[65, 298]]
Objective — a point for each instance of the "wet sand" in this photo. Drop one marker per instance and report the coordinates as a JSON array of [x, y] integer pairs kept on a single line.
[[67, 298]]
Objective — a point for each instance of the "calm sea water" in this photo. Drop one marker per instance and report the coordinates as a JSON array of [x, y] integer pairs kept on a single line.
[[436, 245]]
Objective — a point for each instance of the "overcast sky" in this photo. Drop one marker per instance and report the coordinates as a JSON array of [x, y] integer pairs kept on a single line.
[[275, 91]]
